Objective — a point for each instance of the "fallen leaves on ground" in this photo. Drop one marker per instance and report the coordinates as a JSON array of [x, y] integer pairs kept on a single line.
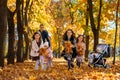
[[59, 71]]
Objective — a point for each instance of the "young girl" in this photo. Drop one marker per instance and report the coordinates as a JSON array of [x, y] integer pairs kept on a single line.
[[50, 55], [36, 45], [46, 56], [80, 46]]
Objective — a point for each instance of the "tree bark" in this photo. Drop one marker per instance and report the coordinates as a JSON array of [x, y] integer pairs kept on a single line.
[[59, 42], [20, 33], [92, 21], [87, 36], [11, 53], [114, 49], [3, 29], [96, 38], [87, 47], [95, 29], [26, 55]]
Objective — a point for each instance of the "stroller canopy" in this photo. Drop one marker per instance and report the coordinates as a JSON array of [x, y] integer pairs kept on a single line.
[[104, 49]]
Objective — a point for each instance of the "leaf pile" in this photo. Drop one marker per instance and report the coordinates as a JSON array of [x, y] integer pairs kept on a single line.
[[59, 71]]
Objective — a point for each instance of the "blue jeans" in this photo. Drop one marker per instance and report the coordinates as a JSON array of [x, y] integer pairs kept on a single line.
[[49, 63], [37, 64]]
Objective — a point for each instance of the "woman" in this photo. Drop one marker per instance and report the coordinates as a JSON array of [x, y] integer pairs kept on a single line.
[[70, 36], [36, 45], [80, 44]]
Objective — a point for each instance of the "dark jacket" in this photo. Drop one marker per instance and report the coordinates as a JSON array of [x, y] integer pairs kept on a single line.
[[45, 36], [72, 40]]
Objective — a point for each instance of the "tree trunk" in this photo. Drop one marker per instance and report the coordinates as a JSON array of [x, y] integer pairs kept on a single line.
[[92, 20], [26, 11], [11, 53], [96, 33], [96, 37], [95, 29], [58, 32], [87, 47], [114, 49], [26, 55], [87, 36], [3, 29], [20, 33]]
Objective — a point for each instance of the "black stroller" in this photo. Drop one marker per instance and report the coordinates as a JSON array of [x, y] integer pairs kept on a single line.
[[98, 57]]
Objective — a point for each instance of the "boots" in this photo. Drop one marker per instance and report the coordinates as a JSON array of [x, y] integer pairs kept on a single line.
[[70, 65]]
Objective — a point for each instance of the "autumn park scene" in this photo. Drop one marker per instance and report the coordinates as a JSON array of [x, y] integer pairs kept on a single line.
[[59, 39]]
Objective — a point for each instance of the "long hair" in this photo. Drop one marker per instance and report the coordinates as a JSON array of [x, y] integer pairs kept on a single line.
[[65, 37], [78, 39], [40, 40]]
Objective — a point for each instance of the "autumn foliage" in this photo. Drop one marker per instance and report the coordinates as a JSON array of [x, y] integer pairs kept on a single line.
[[68, 47], [25, 71], [80, 51]]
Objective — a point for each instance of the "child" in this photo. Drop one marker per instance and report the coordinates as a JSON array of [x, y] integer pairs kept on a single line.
[[50, 55], [46, 56], [36, 45], [80, 48], [79, 57]]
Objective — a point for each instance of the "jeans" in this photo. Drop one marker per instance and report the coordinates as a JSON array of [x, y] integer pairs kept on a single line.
[[37, 64], [42, 62], [49, 63]]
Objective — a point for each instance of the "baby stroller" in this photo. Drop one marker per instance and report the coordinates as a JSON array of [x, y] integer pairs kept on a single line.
[[97, 58]]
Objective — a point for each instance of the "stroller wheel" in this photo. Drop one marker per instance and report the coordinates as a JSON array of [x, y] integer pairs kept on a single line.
[[107, 66], [95, 66]]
